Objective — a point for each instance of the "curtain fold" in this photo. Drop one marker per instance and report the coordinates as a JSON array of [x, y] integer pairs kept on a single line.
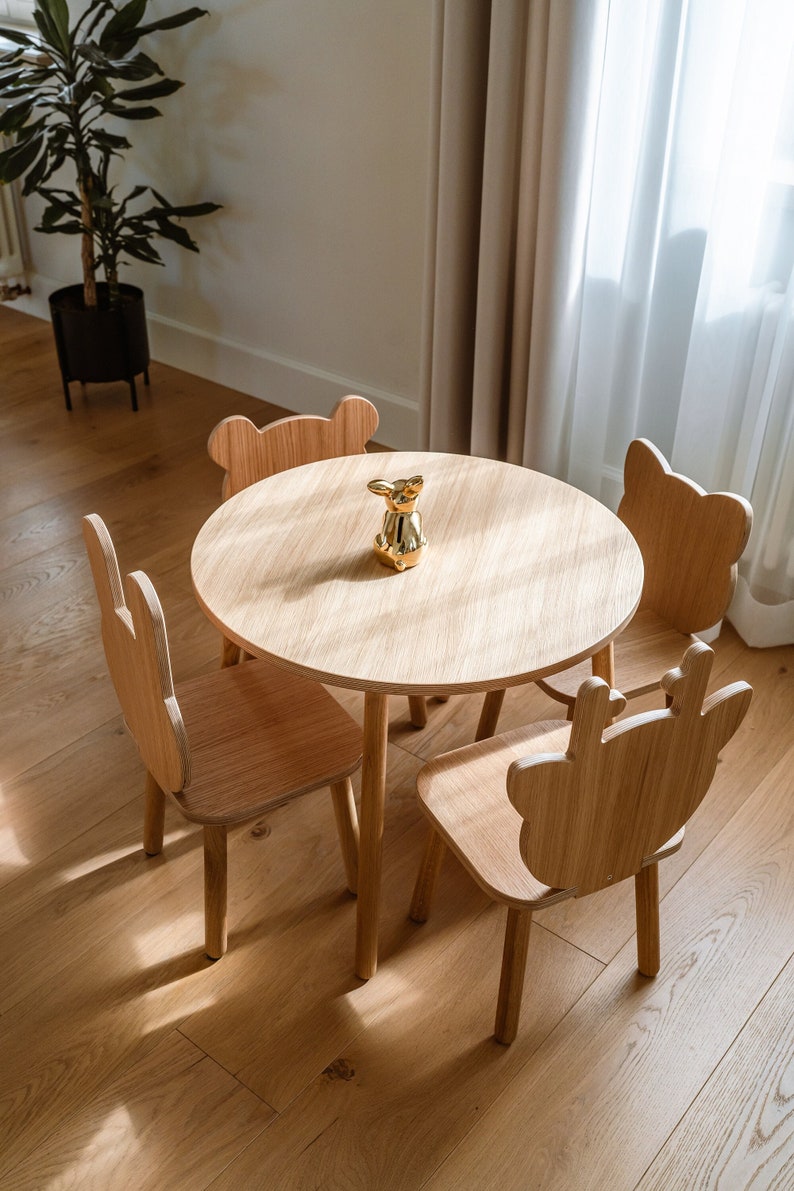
[[612, 247]]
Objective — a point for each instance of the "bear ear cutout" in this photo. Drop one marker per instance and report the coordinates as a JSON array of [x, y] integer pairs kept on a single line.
[[219, 444], [359, 413], [644, 464]]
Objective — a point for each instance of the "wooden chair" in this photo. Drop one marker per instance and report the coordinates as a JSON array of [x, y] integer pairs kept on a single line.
[[225, 746], [690, 541], [586, 807], [249, 454]]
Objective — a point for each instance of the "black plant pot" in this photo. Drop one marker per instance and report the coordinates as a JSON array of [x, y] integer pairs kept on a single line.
[[103, 342]]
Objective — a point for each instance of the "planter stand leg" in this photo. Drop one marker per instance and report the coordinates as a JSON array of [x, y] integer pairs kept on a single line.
[[133, 394]]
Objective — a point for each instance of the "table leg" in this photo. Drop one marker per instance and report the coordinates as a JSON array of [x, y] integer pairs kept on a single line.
[[604, 664], [373, 798]]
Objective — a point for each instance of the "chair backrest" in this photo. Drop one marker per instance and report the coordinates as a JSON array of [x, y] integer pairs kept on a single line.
[[136, 650], [249, 454], [619, 794], [690, 539]]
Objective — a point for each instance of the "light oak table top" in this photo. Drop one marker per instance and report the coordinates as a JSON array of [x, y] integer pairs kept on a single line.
[[522, 576]]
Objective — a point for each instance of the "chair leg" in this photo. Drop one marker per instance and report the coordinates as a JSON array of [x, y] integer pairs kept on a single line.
[[215, 891], [511, 984], [489, 716], [646, 895], [230, 653], [153, 817], [347, 826], [417, 707], [435, 850]]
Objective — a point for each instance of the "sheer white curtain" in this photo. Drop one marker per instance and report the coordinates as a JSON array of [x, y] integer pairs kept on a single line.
[[638, 280]]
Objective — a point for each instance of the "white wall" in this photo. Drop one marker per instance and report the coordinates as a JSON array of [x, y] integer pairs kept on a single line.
[[309, 121]]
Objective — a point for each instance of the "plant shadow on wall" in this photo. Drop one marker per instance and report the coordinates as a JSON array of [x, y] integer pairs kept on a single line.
[[63, 90]]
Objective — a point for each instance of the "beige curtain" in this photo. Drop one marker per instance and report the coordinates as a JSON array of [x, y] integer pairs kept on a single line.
[[514, 85], [612, 252]]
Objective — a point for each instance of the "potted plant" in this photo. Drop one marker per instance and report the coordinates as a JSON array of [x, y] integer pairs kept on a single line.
[[62, 94]]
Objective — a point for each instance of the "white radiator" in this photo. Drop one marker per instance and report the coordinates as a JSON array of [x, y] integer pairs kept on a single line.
[[11, 264]]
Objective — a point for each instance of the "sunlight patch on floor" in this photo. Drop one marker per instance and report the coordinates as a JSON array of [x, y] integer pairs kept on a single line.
[[172, 953], [10, 852], [94, 863], [115, 1133]]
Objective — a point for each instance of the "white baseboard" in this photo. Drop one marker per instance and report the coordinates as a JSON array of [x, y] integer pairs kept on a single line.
[[293, 384]]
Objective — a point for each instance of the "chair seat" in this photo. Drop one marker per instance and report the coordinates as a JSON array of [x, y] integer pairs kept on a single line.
[[464, 795], [645, 649], [260, 736]]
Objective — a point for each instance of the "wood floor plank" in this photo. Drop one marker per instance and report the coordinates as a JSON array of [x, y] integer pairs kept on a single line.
[[602, 1095], [51, 804], [602, 924], [150, 1123], [279, 1033], [740, 1130], [393, 1082], [400, 1096], [103, 949]]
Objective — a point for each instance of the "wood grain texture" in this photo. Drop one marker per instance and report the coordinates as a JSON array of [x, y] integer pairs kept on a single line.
[[500, 619], [249, 453], [610, 1083], [151, 1123], [523, 575], [235, 742], [377, 1083], [691, 541], [493, 623], [404, 1092], [612, 804], [603, 922], [753, 1147]]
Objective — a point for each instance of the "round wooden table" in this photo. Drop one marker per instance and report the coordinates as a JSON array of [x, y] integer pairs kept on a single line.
[[522, 576]]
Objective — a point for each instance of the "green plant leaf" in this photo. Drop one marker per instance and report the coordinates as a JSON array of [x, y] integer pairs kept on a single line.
[[18, 38], [57, 211], [103, 86], [16, 160], [139, 67], [38, 174], [151, 90], [55, 112], [110, 142], [185, 212], [132, 113], [122, 23], [59, 14], [172, 231], [142, 250], [30, 130], [15, 115], [42, 171], [48, 16], [8, 82], [173, 22], [70, 229]]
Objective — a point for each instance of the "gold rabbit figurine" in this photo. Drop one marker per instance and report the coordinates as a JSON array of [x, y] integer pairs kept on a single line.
[[400, 542]]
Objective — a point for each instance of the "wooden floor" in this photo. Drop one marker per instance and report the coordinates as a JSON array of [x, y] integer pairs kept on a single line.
[[128, 1060]]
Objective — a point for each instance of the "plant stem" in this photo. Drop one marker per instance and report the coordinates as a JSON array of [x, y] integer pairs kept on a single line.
[[87, 242]]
